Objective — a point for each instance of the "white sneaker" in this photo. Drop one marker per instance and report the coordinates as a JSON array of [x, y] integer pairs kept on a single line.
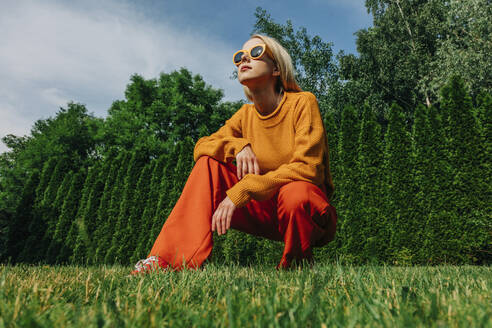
[[149, 264]]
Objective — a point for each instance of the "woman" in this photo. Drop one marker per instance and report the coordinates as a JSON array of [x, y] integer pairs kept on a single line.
[[281, 186]]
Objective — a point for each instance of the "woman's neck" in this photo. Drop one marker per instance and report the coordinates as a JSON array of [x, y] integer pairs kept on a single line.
[[266, 100]]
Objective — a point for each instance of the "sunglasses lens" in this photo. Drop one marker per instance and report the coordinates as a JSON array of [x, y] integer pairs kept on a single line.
[[238, 56], [257, 51]]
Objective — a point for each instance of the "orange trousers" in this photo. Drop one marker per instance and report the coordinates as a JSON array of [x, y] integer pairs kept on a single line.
[[299, 214]]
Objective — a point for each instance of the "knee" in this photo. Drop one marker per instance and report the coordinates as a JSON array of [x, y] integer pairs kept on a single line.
[[294, 195]]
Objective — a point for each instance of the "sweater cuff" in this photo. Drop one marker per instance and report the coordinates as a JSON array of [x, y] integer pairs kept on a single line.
[[241, 143], [239, 197]]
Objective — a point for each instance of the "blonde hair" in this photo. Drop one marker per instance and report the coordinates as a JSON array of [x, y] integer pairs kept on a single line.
[[283, 62]]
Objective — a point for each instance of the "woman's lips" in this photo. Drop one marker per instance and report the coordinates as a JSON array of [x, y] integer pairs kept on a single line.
[[245, 68]]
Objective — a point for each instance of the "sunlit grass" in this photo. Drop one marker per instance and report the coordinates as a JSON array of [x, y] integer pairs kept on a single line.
[[259, 296]]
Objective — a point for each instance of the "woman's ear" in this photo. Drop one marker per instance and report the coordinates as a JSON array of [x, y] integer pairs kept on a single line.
[[276, 71]]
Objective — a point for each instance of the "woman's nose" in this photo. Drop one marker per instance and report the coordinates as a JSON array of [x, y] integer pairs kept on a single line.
[[244, 57]]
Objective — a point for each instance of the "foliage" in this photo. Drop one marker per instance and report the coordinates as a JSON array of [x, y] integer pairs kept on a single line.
[[18, 231], [159, 112], [348, 188], [370, 182], [104, 244], [398, 189], [469, 195], [464, 48], [61, 245], [51, 236], [118, 249], [147, 220], [134, 228], [104, 217]]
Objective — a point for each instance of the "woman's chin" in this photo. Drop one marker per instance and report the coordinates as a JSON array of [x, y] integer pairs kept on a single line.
[[243, 82], [246, 80]]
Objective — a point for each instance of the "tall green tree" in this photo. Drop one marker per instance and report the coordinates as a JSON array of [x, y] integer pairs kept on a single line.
[[58, 252], [50, 254], [348, 187], [134, 228], [469, 190], [151, 203], [78, 229], [47, 211], [422, 157], [370, 182], [399, 191], [36, 226], [18, 231], [102, 232], [162, 110], [134, 168], [111, 222], [395, 54], [432, 176], [89, 216], [464, 48]]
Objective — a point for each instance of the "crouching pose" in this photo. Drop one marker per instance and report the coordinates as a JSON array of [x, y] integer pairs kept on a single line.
[[281, 185]]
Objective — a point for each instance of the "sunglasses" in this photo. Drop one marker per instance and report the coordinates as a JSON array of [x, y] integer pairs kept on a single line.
[[255, 52]]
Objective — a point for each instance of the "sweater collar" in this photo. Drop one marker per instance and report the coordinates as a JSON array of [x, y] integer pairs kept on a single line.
[[275, 112]]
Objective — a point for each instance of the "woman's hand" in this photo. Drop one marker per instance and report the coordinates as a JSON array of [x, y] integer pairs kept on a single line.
[[223, 215], [246, 162]]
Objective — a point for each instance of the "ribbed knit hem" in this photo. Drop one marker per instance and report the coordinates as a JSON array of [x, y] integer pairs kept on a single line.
[[240, 144], [238, 197]]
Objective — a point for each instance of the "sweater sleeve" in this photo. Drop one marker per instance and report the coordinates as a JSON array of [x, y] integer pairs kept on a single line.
[[306, 163], [224, 144]]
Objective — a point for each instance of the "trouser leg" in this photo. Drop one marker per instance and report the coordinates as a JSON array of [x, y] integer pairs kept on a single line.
[[305, 219], [186, 236]]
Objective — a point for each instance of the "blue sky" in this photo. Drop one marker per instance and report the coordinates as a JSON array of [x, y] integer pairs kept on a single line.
[[54, 51]]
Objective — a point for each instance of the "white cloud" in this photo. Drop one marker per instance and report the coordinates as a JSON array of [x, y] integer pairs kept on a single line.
[[52, 52], [54, 96], [16, 123]]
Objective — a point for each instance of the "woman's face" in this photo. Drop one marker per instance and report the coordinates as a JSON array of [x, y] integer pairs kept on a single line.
[[251, 72]]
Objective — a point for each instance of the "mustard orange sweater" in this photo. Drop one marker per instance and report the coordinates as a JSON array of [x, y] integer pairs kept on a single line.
[[290, 144]]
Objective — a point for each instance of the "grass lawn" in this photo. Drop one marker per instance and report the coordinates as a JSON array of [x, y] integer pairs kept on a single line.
[[327, 295]]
